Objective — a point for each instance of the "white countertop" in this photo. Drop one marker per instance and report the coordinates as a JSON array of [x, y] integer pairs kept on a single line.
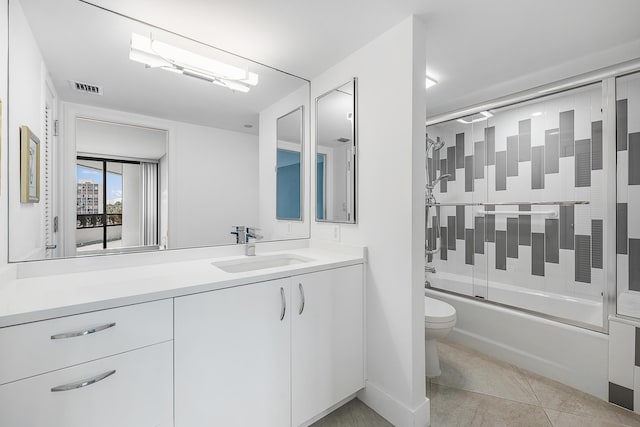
[[31, 299]]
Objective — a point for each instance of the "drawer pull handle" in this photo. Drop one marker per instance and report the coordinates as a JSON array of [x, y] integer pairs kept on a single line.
[[284, 304], [301, 298], [83, 332], [83, 383]]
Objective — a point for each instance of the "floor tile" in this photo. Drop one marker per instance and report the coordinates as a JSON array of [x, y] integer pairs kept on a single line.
[[456, 407], [560, 397], [564, 419], [353, 414], [469, 370]]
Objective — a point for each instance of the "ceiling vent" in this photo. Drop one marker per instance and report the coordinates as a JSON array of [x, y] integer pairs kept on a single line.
[[343, 139], [86, 88]]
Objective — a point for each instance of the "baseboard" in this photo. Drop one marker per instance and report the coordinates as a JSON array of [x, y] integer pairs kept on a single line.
[[393, 410]]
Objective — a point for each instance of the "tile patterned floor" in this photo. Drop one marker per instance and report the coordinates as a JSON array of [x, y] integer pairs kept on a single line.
[[477, 390]]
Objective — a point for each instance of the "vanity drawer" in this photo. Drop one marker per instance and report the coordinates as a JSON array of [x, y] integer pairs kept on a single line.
[[138, 392], [40, 347]]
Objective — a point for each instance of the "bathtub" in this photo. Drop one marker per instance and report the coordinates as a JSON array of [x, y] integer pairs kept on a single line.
[[577, 310], [572, 355]]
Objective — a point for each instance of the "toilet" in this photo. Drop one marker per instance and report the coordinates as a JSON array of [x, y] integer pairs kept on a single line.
[[439, 319]]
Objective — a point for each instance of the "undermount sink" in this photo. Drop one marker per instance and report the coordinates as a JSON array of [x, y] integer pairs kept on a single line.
[[259, 262]]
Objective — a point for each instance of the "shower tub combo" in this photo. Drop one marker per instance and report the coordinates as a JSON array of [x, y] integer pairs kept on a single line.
[[517, 218]]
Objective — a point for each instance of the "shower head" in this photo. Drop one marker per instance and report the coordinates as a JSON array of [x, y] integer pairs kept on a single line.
[[435, 145]]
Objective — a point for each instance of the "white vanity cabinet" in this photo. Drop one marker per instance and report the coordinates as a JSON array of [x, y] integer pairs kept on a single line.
[[274, 353], [232, 356], [106, 368], [327, 340]]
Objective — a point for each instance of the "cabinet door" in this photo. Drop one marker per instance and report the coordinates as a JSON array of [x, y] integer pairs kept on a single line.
[[132, 389], [327, 340], [232, 357]]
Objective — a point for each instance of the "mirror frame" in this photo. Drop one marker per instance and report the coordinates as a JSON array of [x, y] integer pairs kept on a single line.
[[354, 168], [302, 168]]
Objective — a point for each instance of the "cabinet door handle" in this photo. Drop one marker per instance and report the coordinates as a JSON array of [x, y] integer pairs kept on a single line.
[[83, 383], [284, 303], [301, 298], [83, 332]]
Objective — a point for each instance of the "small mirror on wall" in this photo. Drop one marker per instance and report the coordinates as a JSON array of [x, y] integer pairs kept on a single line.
[[336, 141], [289, 166]]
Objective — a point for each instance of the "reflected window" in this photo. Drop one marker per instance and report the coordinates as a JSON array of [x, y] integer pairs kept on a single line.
[[288, 183], [289, 166], [111, 211]]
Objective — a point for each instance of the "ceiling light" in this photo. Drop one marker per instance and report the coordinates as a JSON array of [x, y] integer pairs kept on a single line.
[[481, 116], [430, 81], [536, 114], [157, 54]]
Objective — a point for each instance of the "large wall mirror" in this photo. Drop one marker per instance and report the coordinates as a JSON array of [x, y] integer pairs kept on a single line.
[[148, 140], [289, 158], [336, 142]]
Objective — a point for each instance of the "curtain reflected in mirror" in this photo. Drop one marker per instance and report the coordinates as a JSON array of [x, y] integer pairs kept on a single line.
[[336, 155], [289, 166]]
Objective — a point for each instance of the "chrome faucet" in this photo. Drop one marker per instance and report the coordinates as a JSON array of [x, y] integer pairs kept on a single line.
[[247, 236], [251, 237], [430, 269]]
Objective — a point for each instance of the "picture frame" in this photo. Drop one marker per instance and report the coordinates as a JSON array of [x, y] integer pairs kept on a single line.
[[29, 166]]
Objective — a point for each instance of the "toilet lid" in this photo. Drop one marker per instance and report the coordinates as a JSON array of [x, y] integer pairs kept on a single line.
[[436, 311]]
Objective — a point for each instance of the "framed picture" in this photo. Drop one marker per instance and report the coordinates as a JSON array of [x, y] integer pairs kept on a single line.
[[29, 166]]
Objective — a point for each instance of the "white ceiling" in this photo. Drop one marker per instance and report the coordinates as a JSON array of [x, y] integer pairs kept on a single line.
[[478, 50]]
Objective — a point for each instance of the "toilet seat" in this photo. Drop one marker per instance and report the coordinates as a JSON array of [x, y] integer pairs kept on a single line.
[[436, 311]]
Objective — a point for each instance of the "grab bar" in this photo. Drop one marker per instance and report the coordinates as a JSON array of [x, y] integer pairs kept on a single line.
[[541, 213]]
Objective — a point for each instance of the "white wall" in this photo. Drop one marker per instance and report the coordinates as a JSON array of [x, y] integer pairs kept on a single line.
[[26, 236], [272, 228], [391, 102], [4, 240], [209, 192]]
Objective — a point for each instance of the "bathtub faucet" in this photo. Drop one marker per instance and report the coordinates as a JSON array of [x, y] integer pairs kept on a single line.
[[429, 269]]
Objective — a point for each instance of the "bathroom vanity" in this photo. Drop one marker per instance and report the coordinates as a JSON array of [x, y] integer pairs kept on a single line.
[[185, 343]]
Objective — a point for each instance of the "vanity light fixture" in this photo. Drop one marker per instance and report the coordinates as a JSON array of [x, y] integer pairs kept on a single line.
[[430, 81], [482, 115], [156, 54]]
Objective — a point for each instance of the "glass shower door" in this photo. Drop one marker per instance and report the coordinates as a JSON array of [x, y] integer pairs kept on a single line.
[[628, 194]]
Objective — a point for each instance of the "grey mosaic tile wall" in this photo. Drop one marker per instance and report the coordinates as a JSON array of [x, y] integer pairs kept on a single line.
[[543, 159], [545, 247], [479, 163]]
